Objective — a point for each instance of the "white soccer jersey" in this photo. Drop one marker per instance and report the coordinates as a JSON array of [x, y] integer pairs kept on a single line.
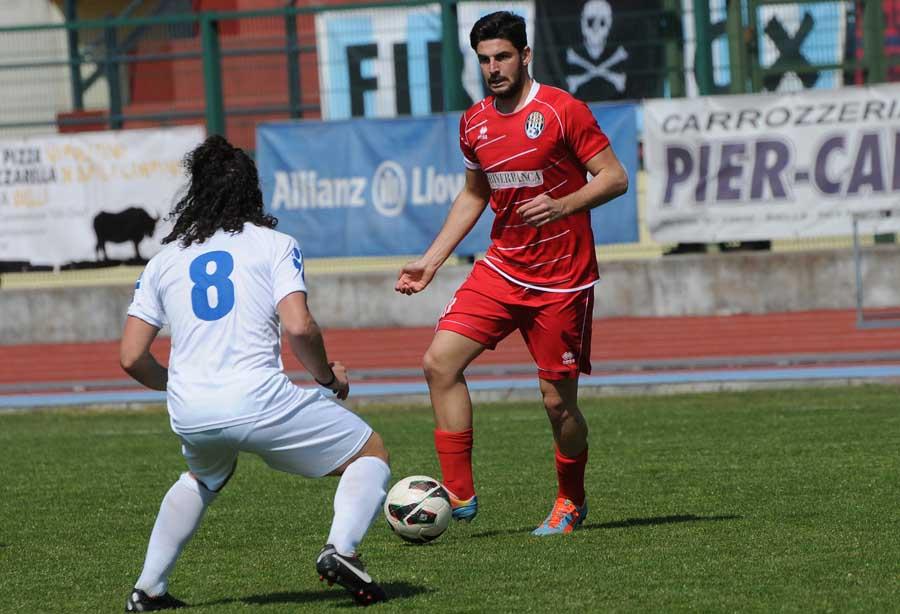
[[219, 299]]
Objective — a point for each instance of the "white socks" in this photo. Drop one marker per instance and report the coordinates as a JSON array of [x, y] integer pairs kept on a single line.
[[357, 501], [179, 516]]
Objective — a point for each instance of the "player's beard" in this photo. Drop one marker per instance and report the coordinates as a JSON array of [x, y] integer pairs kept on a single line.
[[516, 82]]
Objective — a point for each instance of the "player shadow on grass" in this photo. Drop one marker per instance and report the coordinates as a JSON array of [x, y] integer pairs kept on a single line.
[[643, 522], [394, 590], [622, 524]]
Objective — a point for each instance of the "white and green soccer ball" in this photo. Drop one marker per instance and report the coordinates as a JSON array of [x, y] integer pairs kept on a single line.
[[418, 508]]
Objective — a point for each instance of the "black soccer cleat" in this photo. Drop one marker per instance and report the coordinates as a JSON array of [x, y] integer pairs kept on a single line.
[[139, 601], [349, 572]]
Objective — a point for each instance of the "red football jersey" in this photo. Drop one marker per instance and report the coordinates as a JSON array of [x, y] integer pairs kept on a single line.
[[539, 149]]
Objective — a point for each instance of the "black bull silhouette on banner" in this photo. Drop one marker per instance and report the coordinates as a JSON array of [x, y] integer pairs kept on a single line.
[[132, 224]]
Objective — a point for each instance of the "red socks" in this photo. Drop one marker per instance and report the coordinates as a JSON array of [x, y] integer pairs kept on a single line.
[[454, 450], [570, 475]]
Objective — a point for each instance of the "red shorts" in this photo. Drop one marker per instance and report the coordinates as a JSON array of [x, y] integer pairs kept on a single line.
[[556, 326]]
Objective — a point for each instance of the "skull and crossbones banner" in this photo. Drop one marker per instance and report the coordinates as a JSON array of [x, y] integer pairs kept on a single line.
[[600, 49]]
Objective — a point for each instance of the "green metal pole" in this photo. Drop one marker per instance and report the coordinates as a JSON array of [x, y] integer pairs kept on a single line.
[[293, 63], [703, 66], [74, 56], [734, 27], [212, 75], [873, 41], [674, 50], [112, 78], [756, 84], [451, 62]]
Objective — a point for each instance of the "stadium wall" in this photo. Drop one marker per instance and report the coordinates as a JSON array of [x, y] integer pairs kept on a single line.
[[705, 284]]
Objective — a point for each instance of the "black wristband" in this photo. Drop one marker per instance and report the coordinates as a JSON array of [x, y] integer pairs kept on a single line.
[[330, 382]]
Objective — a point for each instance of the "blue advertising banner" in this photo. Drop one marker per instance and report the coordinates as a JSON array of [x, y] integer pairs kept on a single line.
[[386, 61], [383, 187], [617, 221]]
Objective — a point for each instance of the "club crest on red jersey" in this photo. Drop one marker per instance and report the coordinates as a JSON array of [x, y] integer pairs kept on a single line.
[[534, 125]]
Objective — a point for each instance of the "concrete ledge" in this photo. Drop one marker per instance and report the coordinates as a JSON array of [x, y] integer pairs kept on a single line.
[[58, 315], [747, 283], [703, 284]]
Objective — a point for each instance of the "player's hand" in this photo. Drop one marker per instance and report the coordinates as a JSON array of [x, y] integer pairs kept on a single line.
[[341, 385], [414, 276], [542, 210]]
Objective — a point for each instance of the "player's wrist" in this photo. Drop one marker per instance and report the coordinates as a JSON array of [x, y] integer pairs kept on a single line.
[[432, 262], [567, 207], [329, 382]]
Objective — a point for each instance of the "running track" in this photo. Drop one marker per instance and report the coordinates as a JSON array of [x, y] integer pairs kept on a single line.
[[720, 346]]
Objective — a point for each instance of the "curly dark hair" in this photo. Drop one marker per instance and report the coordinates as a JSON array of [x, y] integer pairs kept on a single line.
[[223, 193], [501, 24]]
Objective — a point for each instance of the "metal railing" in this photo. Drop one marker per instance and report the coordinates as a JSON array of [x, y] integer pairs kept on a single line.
[[230, 69], [205, 75]]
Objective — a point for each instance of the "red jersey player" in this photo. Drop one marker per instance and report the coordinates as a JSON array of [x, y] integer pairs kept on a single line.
[[527, 149]]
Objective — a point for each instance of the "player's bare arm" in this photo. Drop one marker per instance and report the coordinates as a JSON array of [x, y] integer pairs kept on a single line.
[[609, 181], [135, 356], [467, 208], [305, 339]]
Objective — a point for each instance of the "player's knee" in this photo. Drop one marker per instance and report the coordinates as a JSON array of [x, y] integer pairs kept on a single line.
[[560, 412], [190, 481], [438, 367], [555, 406]]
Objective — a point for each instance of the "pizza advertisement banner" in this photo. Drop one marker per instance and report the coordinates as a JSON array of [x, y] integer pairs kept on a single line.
[[87, 198]]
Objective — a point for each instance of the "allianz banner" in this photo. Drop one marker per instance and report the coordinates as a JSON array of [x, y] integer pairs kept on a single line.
[[84, 199], [735, 168], [383, 187]]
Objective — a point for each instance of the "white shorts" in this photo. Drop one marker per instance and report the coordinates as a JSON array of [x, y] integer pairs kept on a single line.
[[311, 441]]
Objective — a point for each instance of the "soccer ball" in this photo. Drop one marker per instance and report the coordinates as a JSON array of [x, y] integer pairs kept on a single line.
[[418, 509]]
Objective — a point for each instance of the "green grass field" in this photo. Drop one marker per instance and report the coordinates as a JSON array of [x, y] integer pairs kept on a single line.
[[763, 501]]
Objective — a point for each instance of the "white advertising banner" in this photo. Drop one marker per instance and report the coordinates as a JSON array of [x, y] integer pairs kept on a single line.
[[81, 198], [731, 168]]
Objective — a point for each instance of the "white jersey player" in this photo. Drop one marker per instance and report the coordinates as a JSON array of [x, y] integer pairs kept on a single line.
[[227, 284]]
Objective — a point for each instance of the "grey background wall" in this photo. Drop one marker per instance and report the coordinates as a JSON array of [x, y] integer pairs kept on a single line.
[[708, 284]]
